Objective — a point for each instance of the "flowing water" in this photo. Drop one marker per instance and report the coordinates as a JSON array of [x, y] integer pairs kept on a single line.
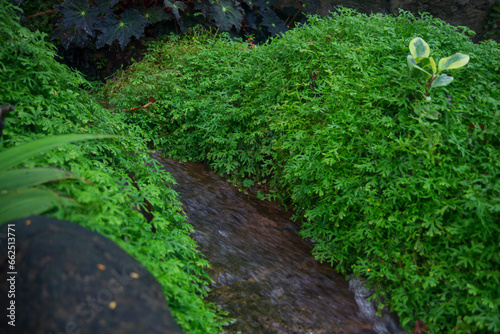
[[264, 273]]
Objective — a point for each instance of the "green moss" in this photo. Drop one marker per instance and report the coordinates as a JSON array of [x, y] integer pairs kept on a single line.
[[49, 99], [325, 117]]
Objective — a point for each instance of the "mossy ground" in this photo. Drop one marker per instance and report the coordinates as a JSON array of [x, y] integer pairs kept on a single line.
[[323, 118], [328, 119], [50, 99]]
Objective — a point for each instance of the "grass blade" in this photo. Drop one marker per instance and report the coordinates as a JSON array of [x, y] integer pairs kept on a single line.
[[25, 203], [15, 155], [19, 179]]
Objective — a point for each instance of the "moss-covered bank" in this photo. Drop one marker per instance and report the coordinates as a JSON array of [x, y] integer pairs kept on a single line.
[[327, 118], [50, 99]]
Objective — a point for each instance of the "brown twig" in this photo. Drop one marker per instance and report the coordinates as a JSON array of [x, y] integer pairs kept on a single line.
[[293, 18], [38, 14], [136, 109]]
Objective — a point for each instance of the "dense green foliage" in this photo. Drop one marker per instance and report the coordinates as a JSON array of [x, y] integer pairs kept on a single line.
[[19, 196], [49, 100], [327, 118]]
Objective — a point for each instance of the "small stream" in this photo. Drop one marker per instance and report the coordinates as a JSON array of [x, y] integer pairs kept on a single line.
[[264, 273]]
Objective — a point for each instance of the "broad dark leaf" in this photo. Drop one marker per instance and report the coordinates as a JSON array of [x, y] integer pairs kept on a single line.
[[154, 13], [309, 6], [71, 35], [265, 3], [252, 20], [226, 15], [272, 22], [203, 7], [80, 14], [250, 3], [190, 20], [176, 6], [107, 3], [122, 29]]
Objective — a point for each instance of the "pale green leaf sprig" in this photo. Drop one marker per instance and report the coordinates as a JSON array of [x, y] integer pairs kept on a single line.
[[420, 62]]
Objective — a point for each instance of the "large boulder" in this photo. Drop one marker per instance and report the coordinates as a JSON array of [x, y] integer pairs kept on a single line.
[[67, 279]]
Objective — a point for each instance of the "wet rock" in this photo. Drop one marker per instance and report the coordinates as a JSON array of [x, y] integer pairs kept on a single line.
[[72, 280], [473, 14], [387, 323], [264, 273]]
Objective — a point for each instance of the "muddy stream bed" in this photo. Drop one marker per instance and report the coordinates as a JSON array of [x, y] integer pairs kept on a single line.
[[264, 273]]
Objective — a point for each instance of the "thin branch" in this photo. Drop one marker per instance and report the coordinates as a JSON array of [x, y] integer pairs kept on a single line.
[[293, 18], [37, 14]]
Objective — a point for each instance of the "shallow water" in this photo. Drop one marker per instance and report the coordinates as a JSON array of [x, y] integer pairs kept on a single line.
[[264, 273]]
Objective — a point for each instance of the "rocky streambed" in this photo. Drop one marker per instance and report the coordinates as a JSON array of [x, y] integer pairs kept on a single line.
[[263, 271]]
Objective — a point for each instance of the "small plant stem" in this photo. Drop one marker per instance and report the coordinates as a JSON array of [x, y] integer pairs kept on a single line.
[[293, 18], [41, 13], [429, 83]]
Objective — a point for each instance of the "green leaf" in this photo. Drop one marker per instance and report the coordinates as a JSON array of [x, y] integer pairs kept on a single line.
[[24, 203], [226, 15], [122, 29], [80, 14], [419, 49], [24, 178], [414, 68], [15, 155], [411, 64], [442, 80], [433, 65], [427, 111], [428, 62], [456, 61], [248, 183]]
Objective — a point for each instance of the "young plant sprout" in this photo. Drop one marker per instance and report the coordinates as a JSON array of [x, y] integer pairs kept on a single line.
[[419, 63]]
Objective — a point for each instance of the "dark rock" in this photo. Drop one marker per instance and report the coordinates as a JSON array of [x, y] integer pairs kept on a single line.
[[473, 14], [72, 280]]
